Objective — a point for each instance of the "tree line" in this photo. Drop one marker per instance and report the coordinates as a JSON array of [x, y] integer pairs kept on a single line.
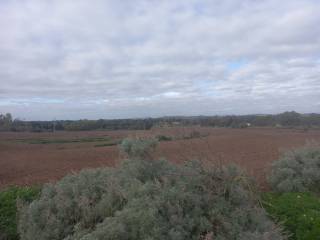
[[286, 119]]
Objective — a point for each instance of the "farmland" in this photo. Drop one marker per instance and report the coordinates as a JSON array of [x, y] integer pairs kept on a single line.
[[35, 158]]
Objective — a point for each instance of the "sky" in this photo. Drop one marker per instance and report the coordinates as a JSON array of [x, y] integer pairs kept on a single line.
[[66, 59]]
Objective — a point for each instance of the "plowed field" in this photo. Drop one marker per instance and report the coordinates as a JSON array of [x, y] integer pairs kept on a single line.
[[32, 158]]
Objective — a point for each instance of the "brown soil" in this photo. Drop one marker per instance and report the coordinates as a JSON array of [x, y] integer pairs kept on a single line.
[[23, 163]]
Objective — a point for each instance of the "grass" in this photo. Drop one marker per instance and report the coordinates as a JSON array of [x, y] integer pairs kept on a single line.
[[107, 144], [299, 213], [8, 209]]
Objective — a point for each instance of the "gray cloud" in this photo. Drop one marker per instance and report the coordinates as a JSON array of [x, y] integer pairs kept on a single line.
[[106, 59]]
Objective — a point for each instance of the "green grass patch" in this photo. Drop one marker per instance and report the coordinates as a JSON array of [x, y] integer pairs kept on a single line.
[[298, 212], [108, 144], [8, 209]]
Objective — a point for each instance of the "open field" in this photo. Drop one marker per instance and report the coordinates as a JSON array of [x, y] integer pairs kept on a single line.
[[31, 158]]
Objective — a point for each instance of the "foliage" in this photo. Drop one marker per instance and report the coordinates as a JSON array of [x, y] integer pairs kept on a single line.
[[161, 138], [8, 209], [145, 199], [5, 121], [297, 171], [192, 134], [299, 213], [243, 125], [138, 148], [286, 119], [107, 144]]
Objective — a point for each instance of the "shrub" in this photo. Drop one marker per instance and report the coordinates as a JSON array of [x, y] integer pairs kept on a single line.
[[297, 171], [161, 138], [244, 125], [138, 148], [299, 213], [8, 209], [194, 134], [145, 199]]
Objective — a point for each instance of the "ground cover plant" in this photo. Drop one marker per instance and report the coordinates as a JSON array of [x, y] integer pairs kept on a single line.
[[107, 144], [298, 212], [8, 209], [148, 199]]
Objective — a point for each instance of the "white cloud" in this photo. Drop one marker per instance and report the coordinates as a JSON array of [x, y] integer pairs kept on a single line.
[[96, 59]]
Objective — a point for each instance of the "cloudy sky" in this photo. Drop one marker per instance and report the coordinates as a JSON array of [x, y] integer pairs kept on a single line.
[[66, 59]]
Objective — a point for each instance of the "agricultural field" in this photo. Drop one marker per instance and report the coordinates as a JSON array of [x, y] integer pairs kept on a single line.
[[35, 158]]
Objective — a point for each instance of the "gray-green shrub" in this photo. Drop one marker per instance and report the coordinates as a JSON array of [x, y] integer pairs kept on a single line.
[[297, 171], [138, 148], [148, 199]]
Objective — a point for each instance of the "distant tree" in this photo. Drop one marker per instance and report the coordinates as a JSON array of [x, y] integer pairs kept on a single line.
[[289, 119], [8, 117], [286, 119], [5, 121]]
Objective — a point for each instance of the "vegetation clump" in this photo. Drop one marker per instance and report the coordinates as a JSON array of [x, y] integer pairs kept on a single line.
[[138, 148], [148, 199], [297, 171], [298, 212], [162, 138], [9, 198]]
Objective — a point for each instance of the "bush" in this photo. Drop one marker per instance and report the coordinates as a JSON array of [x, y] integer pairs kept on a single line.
[[138, 148], [194, 134], [8, 209], [297, 171], [161, 138], [299, 213], [244, 125], [145, 199]]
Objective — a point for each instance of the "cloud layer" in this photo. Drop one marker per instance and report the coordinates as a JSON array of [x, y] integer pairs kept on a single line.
[[69, 59]]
